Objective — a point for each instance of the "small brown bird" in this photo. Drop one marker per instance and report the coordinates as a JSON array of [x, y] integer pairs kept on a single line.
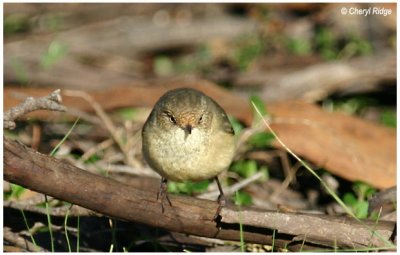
[[188, 136]]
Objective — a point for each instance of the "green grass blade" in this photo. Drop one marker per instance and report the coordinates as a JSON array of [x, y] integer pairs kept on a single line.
[[65, 228], [64, 138], [327, 188], [49, 224], [52, 153], [242, 244], [302, 244], [27, 227], [78, 235]]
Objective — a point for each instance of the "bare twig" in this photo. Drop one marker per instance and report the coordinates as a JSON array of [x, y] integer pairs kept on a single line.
[[232, 189], [385, 198], [289, 178], [93, 150], [19, 241], [51, 102], [114, 132]]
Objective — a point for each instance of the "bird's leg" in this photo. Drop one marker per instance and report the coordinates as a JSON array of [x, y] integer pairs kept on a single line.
[[162, 193], [221, 200]]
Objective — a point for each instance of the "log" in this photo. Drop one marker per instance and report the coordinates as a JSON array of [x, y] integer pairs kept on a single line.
[[39, 172]]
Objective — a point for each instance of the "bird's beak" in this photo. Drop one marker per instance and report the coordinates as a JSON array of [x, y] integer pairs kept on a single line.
[[189, 128]]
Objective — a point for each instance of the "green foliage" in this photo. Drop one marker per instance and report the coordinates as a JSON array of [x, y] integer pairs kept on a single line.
[[16, 23], [353, 105], [360, 208], [299, 47], [188, 187], [358, 201], [356, 46], [363, 190], [242, 198], [389, 118], [16, 191], [236, 125], [247, 49], [330, 48], [261, 140], [163, 66], [325, 43], [55, 52], [93, 159], [357, 104], [265, 176], [247, 168], [128, 113]]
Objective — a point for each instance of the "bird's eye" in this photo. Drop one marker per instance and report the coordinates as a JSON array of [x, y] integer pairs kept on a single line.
[[200, 119], [172, 119]]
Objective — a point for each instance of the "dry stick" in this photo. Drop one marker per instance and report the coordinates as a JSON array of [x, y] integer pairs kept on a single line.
[[59, 179], [50, 102], [20, 241], [107, 122], [287, 181], [179, 239], [290, 175], [232, 189], [93, 150]]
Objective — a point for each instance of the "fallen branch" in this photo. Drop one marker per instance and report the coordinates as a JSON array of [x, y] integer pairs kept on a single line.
[[189, 215], [50, 102], [317, 81]]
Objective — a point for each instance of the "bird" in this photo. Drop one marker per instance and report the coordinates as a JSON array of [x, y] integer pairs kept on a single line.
[[188, 137]]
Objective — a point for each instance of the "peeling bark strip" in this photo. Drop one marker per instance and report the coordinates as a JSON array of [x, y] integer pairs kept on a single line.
[[189, 215]]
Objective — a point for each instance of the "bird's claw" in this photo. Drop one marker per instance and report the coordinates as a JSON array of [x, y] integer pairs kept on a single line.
[[162, 193]]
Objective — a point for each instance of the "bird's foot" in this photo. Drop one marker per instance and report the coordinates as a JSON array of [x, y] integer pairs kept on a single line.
[[162, 193], [221, 203]]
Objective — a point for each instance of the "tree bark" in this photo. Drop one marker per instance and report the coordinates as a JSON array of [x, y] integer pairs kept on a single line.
[[39, 172]]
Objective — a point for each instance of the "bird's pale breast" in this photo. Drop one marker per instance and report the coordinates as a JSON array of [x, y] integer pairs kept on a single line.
[[179, 156]]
